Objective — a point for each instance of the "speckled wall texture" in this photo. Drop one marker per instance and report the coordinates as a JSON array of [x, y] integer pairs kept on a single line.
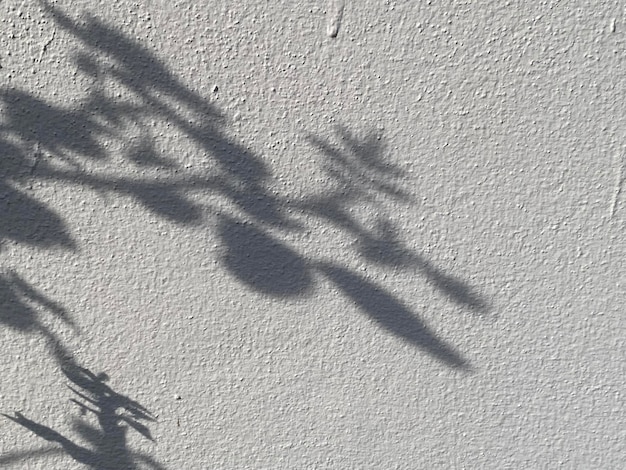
[[312, 235]]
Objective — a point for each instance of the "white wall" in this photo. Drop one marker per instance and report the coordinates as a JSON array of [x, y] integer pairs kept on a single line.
[[400, 247]]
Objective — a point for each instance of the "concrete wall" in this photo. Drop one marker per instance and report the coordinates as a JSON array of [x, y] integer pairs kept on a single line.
[[312, 234]]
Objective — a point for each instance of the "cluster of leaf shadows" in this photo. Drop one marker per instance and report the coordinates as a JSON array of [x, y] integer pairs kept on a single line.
[[114, 414], [20, 305], [45, 142]]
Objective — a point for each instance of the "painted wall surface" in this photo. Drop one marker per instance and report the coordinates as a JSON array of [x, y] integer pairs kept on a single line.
[[326, 235]]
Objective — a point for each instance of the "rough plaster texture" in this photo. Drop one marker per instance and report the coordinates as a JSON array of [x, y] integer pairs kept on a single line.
[[312, 234]]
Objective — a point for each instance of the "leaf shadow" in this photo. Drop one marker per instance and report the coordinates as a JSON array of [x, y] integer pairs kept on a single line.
[[114, 413]]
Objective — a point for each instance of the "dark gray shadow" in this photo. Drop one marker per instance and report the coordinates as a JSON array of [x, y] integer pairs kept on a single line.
[[19, 305], [62, 132], [359, 174], [67, 140], [114, 413], [262, 262], [391, 314], [22, 218], [26, 220], [69, 135], [382, 246]]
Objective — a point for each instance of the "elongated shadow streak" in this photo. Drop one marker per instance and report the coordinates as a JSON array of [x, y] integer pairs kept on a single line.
[[78, 453], [392, 315], [384, 248]]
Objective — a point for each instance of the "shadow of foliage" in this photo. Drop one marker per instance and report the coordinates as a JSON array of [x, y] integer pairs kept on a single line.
[[391, 314], [360, 176], [24, 219], [132, 88], [382, 246], [114, 413], [19, 305], [261, 261], [65, 144]]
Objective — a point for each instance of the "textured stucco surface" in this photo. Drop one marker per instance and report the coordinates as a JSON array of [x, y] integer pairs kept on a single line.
[[400, 247]]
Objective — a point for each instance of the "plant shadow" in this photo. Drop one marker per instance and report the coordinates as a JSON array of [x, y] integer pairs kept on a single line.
[[107, 447], [40, 141]]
